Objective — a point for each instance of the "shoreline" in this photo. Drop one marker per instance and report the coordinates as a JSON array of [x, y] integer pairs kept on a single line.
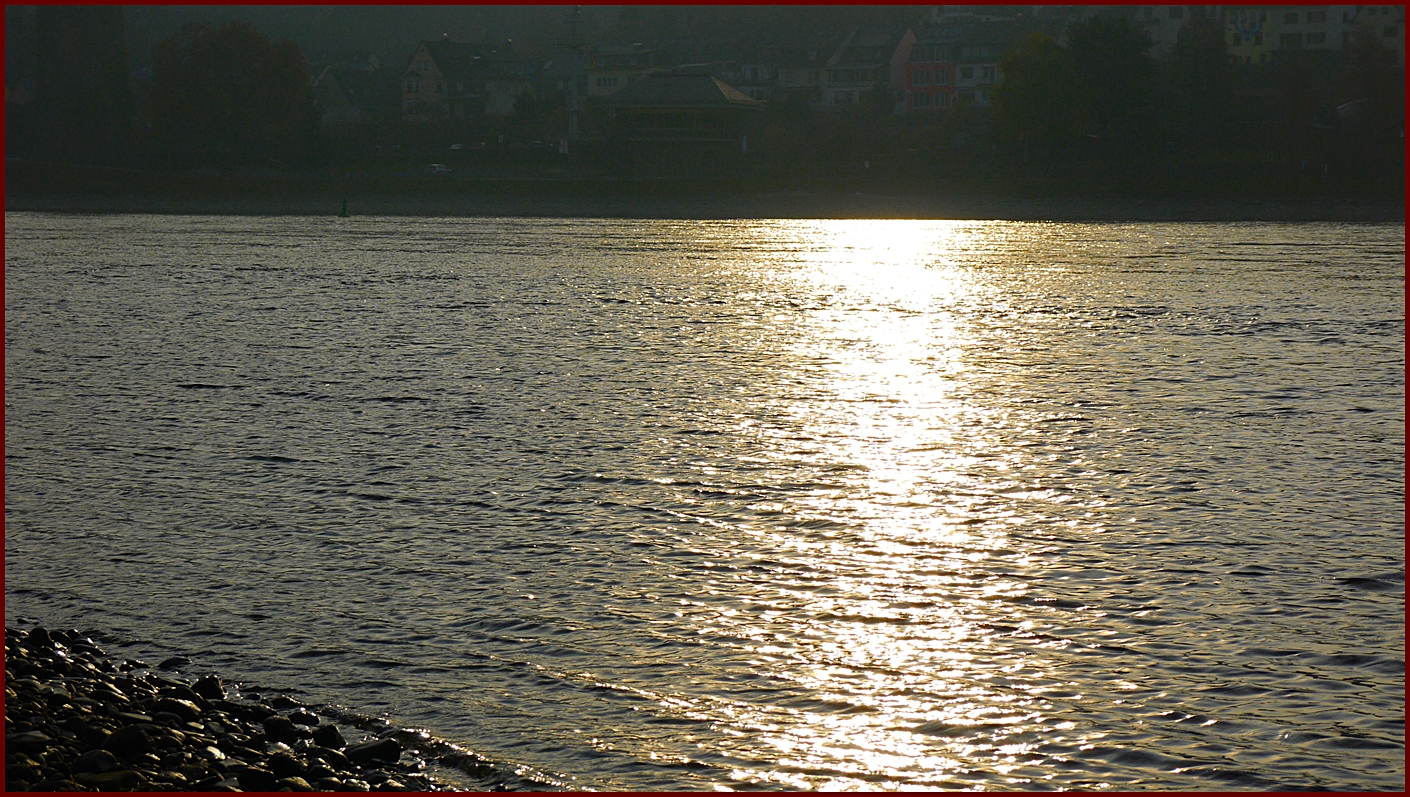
[[832, 204], [78, 719]]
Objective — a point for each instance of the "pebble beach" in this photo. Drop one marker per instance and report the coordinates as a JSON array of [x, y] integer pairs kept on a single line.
[[77, 719]]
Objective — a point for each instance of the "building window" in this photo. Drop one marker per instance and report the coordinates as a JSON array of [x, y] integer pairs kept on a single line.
[[1291, 40], [942, 100], [920, 100], [841, 98], [986, 73], [413, 86], [422, 66], [1177, 12], [606, 82], [1316, 17], [942, 77], [1290, 18], [922, 77], [966, 73], [1390, 32], [1316, 38]]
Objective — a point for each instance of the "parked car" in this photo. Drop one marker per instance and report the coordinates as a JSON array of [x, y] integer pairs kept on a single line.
[[436, 169]]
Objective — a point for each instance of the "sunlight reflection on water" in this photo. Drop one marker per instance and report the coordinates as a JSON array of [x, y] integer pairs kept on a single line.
[[813, 504]]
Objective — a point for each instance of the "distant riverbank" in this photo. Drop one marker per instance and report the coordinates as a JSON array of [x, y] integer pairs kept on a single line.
[[36, 187]]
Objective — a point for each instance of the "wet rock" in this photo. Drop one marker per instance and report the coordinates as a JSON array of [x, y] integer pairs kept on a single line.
[[210, 687], [27, 742], [280, 729], [284, 765], [128, 742], [329, 736], [375, 750], [252, 778], [56, 784], [284, 701], [105, 730], [304, 717], [123, 779], [96, 761], [173, 663], [185, 709], [166, 718], [173, 778], [332, 758]]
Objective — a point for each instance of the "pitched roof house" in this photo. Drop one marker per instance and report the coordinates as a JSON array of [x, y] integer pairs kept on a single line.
[[458, 80], [873, 57]]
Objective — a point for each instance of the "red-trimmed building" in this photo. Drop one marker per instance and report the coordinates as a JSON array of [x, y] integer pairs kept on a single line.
[[930, 74]]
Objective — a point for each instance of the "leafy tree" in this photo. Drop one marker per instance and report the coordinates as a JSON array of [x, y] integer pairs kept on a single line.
[[1035, 106], [85, 99], [229, 90], [1198, 83], [1115, 80]]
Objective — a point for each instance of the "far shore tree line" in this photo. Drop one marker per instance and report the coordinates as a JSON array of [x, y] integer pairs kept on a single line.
[[229, 97]]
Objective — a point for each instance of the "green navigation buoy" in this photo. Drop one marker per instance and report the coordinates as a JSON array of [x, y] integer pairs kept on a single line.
[[343, 214]]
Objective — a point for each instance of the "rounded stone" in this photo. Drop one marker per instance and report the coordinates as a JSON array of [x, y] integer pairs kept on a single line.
[[128, 742], [280, 729], [96, 761], [27, 742], [329, 736], [375, 750], [304, 717], [210, 687]]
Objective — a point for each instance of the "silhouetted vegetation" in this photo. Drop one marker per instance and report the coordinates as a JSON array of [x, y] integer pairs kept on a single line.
[[229, 94], [1082, 107]]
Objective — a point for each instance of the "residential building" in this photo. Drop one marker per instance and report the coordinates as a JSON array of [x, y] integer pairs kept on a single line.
[[873, 58], [681, 124], [1311, 27], [331, 100], [930, 71], [457, 80], [1258, 34], [1385, 24], [1250, 33], [614, 67], [956, 62], [1161, 23]]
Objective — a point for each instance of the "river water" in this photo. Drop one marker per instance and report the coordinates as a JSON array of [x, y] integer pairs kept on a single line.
[[642, 505]]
